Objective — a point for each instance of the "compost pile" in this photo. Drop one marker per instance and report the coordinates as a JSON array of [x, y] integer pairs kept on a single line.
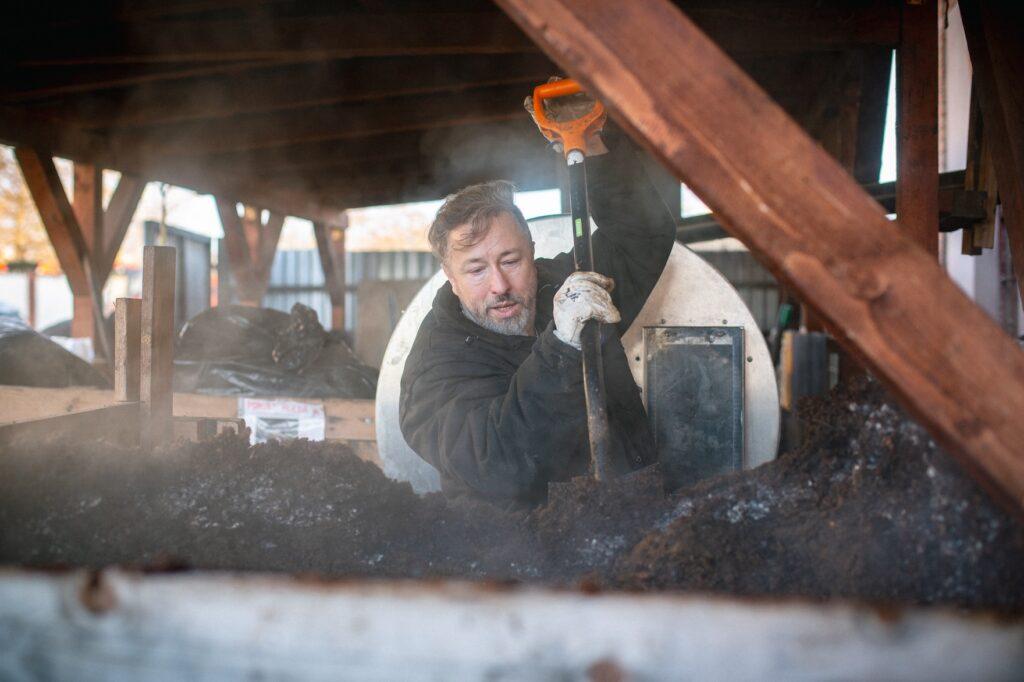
[[239, 350], [869, 507]]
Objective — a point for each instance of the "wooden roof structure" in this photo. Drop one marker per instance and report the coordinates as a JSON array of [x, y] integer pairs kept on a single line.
[[309, 108]]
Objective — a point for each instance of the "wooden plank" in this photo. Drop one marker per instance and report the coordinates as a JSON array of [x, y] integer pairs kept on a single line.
[[804, 217], [112, 424], [349, 420], [995, 39], [157, 356], [330, 244], [917, 123], [127, 348]]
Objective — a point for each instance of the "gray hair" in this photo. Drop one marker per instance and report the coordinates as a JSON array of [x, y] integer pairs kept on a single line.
[[476, 206]]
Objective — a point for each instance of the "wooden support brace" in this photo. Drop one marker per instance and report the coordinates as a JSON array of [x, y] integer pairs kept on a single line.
[[804, 217], [127, 348], [330, 243], [995, 39], [157, 354], [84, 248], [917, 123], [251, 245], [117, 218]]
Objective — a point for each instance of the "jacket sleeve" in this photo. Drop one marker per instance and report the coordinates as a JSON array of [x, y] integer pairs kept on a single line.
[[503, 439], [636, 230]]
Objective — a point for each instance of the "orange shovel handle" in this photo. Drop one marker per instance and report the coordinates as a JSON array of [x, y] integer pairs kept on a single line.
[[572, 134]]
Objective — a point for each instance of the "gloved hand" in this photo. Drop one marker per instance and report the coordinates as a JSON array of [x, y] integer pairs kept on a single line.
[[583, 296], [566, 109]]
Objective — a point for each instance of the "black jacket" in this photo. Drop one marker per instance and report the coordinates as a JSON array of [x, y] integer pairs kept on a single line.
[[500, 416]]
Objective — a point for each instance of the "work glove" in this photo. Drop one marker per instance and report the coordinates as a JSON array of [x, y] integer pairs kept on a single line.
[[566, 109], [583, 296]]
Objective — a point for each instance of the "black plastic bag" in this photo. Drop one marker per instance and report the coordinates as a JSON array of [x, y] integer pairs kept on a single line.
[[27, 358], [237, 350]]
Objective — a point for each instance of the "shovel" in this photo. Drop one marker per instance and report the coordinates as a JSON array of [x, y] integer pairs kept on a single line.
[[572, 135]]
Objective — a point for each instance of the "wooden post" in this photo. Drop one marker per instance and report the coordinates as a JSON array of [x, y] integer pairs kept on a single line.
[[995, 39], [127, 348], [157, 354], [250, 244], [32, 297], [804, 217], [917, 123], [330, 243]]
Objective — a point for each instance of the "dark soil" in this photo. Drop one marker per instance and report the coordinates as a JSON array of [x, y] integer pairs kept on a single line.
[[868, 507]]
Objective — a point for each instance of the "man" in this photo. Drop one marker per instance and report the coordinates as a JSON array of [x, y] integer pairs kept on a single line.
[[492, 392]]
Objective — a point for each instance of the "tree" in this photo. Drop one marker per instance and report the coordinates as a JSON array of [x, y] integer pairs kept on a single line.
[[22, 236]]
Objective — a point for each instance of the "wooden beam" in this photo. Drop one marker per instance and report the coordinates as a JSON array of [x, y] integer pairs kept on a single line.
[[117, 218], [70, 245], [127, 348], [19, 129], [157, 354], [251, 244], [330, 244], [347, 419], [277, 129], [804, 217], [917, 123], [55, 212], [995, 39], [28, 83], [337, 36], [740, 26], [874, 94], [289, 87]]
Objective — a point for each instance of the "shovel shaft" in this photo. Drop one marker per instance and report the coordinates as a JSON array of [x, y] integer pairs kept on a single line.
[[590, 338]]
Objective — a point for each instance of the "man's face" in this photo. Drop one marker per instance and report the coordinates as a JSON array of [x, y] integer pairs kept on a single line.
[[495, 278]]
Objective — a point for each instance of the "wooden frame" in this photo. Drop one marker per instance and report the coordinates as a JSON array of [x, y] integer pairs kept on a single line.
[[883, 297]]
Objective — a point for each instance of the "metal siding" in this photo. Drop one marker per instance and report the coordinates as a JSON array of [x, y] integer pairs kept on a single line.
[[297, 277]]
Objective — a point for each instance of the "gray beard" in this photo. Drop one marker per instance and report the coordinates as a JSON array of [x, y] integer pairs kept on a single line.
[[513, 326]]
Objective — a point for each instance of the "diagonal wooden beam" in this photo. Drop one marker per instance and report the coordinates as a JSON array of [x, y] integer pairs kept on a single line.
[[19, 129], [270, 234], [251, 245], [330, 244], [57, 215], [117, 218], [66, 235], [804, 217], [995, 39]]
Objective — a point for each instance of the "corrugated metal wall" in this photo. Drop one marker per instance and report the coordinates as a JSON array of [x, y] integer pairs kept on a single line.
[[296, 277]]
